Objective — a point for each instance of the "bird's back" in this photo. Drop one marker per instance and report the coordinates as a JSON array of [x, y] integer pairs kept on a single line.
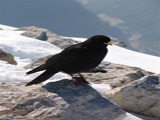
[[82, 59]]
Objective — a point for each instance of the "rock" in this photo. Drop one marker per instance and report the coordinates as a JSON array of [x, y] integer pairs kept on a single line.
[[46, 35], [62, 42], [140, 96], [119, 42], [5, 111], [7, 57], [59, 100], [35, 34], [16, 117], [115, 74]]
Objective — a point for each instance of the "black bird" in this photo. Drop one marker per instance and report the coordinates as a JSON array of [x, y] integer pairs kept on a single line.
[[74, 59]]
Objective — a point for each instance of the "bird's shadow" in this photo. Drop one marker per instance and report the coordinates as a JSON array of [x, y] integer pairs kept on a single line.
[[69, 92]]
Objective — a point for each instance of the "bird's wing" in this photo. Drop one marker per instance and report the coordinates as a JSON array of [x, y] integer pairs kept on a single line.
[[67, 56]]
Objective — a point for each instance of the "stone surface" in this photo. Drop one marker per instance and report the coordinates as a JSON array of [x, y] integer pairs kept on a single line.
[[46, 35], [115, 74], [62, 42], [59, 100], [16, 117], [5, 111], [140, 96], [7, 57], [119, 42]]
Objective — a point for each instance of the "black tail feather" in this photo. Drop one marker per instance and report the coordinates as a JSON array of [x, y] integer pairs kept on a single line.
[[40, 68], [44, 76]]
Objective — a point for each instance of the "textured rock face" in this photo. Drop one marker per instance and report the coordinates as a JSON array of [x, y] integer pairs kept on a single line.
[[140, 96], [115, 74], [16, 117], [59, 100], [46, 35], [62, 42], [7, 57]]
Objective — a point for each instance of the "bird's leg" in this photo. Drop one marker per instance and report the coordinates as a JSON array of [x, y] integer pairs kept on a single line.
[[83, 78], [74, 80], [79, 80]]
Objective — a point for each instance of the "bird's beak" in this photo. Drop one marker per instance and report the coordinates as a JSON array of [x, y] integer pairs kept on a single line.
[[107, 43]]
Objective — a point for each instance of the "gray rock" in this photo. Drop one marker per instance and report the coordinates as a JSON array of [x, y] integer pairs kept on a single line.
[[7, 57], [140, 96], [41, 35], [16, 117], [46, 35], [5, 111], [62, 42], [114, 74], [59, 100], [119, 42]]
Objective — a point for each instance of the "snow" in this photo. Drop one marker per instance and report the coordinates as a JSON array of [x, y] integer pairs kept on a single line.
[[5, 27], [131, 117], [25, 50], [101, 88]]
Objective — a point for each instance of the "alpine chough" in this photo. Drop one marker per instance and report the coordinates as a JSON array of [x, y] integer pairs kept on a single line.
[[74, 59]]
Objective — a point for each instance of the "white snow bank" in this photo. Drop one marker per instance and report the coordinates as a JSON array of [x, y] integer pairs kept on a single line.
[[5, 27], [25, 50], [131, 117], [24, 47], [101, 88]]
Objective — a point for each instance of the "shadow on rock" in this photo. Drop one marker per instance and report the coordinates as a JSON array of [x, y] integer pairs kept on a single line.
[[71, 93]]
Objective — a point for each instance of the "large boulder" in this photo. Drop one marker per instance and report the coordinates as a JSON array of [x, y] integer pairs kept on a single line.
[[59, 100], [7, 57], [140, 96]]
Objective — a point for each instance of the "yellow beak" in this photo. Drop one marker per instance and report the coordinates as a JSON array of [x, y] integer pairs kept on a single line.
[[108, 43]]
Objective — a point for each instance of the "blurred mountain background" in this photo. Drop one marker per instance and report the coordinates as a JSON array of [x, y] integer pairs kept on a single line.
[[136, 22], [139, 19]]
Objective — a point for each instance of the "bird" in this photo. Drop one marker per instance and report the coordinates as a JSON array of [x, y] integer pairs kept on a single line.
[[74, 59]]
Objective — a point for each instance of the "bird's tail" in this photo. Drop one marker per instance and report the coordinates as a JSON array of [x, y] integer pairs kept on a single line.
[[40, 68], [44, 76]]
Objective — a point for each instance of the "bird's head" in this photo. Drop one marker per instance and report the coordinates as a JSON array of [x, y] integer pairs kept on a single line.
[[98, 41]]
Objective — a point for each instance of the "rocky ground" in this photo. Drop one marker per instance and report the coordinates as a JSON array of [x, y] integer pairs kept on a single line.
[[59, 100], [140, 96], [133, 90]]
